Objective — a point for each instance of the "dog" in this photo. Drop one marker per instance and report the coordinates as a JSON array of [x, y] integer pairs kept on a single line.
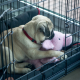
[[27, 40]]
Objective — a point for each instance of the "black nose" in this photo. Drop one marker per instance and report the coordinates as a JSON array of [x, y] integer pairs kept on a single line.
[[52, 35]]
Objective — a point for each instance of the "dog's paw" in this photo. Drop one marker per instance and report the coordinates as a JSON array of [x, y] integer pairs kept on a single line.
[[26, 70], [63, 56]]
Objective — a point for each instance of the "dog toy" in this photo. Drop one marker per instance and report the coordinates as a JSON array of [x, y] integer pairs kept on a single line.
[[57, 43]]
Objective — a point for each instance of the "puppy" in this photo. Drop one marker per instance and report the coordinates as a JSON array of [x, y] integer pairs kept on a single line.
[[27, 41]]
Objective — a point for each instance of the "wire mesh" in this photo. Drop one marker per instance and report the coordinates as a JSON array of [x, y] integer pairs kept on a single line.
[[65, 15]]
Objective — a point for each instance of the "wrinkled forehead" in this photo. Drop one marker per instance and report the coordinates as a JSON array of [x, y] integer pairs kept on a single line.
[[46, 24]]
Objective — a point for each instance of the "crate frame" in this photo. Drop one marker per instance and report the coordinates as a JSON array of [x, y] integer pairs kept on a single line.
[[65, 22]]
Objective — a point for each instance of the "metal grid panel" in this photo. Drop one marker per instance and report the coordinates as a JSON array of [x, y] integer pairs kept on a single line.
[[65, 15], [60, 6]]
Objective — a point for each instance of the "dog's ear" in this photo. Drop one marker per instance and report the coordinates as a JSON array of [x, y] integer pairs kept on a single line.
[[42, 29], [45, 31]]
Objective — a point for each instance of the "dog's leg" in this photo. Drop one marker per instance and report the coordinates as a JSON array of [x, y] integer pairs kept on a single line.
[[12, 68], [22, 70], [18, 70], [37, 54], [21, 65]]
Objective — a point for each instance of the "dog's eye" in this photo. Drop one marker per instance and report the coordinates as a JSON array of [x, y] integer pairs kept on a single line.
[[59, 38]]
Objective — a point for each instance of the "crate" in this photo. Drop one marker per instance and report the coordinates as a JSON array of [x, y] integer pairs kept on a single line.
[[65, 16]]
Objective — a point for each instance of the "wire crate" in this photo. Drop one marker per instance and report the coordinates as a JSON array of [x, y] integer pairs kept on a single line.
[[65, 15]]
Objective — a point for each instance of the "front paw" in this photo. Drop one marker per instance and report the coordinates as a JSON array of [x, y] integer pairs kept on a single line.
[[26, 70], [63, 56]]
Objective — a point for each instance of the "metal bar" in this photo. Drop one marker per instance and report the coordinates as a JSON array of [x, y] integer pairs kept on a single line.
[[7, 2], [4, 13], [24, 7]]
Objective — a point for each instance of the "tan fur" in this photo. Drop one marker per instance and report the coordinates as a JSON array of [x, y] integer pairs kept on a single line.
[[25, 49]]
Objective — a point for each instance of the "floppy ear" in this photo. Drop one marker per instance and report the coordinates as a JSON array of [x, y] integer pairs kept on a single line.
[[42, 29], [47, 44]]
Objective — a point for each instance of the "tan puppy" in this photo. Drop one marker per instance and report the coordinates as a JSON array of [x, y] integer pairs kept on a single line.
[[39, 29]]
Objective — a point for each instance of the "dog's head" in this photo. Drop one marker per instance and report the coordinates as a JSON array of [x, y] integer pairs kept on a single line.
[[41, 28]]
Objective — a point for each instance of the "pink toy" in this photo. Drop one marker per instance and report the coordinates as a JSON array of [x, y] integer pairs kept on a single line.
[[57, 43]]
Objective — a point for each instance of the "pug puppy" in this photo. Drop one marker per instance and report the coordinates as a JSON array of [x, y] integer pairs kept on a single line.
[[27, 40]]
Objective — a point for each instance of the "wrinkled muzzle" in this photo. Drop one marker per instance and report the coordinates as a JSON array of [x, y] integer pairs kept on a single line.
[[51, 35]]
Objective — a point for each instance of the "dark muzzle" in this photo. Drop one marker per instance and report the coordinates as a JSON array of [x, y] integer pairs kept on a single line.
[[52, 35]]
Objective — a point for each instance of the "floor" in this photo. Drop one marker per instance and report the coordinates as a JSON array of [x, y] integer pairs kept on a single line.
[[74, 75]]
